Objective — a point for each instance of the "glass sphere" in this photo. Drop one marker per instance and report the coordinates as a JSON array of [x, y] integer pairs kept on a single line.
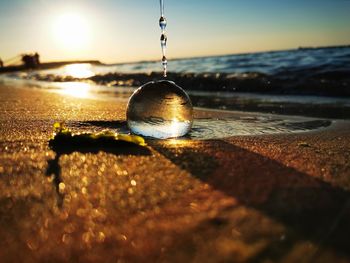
[[160, 109]]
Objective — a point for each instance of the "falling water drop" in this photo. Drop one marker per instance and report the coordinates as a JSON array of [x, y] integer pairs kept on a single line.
[[162, 23], [165, 64], [163, 40], [163, 37]]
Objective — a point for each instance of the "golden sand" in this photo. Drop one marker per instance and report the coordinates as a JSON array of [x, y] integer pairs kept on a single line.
[[264, 198]]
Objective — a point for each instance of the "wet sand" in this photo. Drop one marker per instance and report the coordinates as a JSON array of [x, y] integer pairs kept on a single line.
[[267, 198]]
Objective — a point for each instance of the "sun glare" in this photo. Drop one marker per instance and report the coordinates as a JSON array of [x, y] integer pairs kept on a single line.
[[78, 70], [71, 31], [75, 89]]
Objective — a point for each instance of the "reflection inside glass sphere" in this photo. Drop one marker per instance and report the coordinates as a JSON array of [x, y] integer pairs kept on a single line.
[[161, 110]]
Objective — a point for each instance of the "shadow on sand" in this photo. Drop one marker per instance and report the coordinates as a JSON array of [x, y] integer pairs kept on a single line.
[[313, 209], [109, 146]]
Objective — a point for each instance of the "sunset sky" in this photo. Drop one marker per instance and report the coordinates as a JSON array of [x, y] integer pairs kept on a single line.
[[124, 30]]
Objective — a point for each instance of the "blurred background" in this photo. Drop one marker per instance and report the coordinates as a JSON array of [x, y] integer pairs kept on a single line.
[[287, 57], [121, 31]]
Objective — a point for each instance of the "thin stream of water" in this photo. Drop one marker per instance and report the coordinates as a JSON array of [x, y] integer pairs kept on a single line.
[[163, 37], [161, 2]]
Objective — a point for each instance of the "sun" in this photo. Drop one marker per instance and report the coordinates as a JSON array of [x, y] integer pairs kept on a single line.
[[71, 31]]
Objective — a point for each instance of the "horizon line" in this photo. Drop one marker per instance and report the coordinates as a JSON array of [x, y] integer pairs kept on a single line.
[[205, 56], [228, 54]]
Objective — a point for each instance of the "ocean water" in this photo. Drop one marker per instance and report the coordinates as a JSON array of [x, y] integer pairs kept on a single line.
[[306, 81], [271, 63], [304, 60]]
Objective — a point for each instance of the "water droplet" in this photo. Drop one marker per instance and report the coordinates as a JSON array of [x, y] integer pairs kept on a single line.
[[160, 110], [164, 61], [162, 23], [163, 39], [165, 64]]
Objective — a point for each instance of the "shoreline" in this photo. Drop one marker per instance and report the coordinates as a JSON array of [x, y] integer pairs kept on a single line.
[[201, 113], [281, 197], [289, 105]]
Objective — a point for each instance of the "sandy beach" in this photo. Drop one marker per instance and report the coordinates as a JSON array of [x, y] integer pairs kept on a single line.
[[268, 198]]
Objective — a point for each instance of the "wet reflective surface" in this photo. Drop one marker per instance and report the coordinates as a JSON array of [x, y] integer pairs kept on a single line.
[[252, 125]]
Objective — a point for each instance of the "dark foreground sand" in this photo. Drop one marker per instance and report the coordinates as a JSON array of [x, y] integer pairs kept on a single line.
[[265, 198]]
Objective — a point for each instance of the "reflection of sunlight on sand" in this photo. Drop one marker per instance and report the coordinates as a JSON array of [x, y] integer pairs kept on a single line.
[[175, 142], [75, 89], [79, 70], [179, 143]]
